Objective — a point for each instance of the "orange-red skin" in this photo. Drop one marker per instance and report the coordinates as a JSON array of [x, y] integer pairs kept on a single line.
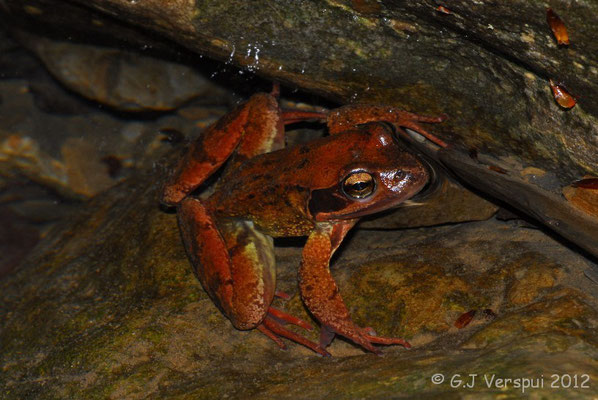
[[587, 183], [267, 191], [558, 27], [257, 188]]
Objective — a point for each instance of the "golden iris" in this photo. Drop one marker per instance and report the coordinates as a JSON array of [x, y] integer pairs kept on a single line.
[[359, 185]]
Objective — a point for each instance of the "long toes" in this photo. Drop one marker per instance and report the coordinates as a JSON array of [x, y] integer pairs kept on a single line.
[[442, 117], [367, 337], [417, 128], [280, 330], [387, 341], [284, 317], [290, 116], [282, 295], [368, 330], [272, 336]]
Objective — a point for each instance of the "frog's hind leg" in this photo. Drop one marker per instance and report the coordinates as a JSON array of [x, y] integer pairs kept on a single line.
[[354, 114], [273, 327], [283, 317], [291, 116], [252, 128], [252, 262], [235, 264], [242, 289]]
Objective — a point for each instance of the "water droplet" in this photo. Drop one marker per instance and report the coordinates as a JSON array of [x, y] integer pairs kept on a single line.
[[230, 57]]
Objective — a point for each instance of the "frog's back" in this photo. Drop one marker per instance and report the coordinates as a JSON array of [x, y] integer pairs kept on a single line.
[[274, 189], [265, 190]]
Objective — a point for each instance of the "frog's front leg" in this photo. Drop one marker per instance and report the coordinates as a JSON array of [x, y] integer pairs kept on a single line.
[[235, 264], [321, 295]]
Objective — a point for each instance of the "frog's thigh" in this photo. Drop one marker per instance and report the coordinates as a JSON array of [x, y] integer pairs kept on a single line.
[[253, 128], [253, 270], [233, 261]]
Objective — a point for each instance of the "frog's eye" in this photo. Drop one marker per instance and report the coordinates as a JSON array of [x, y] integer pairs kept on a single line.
[[359, 185]]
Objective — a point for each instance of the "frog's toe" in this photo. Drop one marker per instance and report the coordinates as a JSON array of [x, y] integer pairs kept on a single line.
[[275, 330], [282, 295], [262, 328], [365, 337], [370, 335], [283, 317]]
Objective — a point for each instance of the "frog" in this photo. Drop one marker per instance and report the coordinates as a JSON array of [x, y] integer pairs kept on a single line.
[[319, 189]]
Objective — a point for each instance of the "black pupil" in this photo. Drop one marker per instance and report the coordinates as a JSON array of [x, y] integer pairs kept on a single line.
[[360, 186]]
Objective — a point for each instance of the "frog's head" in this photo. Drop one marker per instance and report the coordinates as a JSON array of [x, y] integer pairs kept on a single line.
[[378, 174]]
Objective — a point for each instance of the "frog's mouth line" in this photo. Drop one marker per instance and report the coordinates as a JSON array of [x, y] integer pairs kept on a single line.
[[327, 204], [378, 206]]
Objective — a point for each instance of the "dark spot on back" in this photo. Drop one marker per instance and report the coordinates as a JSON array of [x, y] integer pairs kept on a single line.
[[304, 150], [303, 163], [270, 191]]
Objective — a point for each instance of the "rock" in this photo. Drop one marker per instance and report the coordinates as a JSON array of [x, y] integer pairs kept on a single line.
[[486, 66], [447, 202], [22, 155], [118, 313], [122, 79], [584, 199], [107, 306], [68, 153], [84, 169], [575, 224], [17, 238]]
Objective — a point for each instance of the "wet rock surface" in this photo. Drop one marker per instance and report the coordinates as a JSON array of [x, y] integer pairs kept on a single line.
[[106, 304], [58, 149], [121, 79], [486, 65], [444, 202], [119, 314]]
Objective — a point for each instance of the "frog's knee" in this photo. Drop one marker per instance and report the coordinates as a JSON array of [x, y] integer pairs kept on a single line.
[[247, 320]]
